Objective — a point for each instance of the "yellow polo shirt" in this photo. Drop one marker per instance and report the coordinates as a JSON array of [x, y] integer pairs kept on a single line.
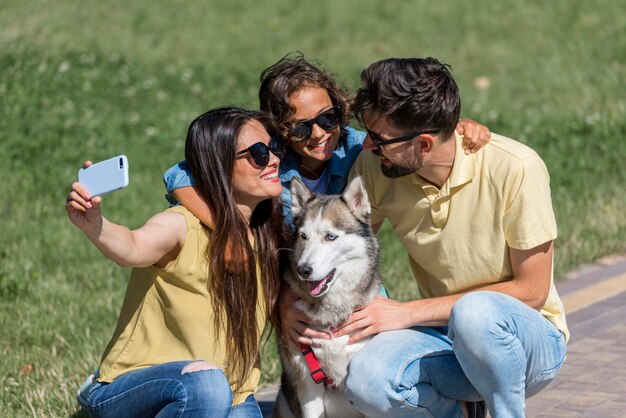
[[167, 315], [458, 236]]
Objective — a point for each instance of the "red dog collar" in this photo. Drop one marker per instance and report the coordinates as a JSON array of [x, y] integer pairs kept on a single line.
[[317, 373]]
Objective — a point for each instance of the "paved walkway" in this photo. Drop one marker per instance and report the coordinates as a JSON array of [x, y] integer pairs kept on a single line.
[[593, 380]]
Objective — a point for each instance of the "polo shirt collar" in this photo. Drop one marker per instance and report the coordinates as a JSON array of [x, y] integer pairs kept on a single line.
[[463, 171], [464, 167]]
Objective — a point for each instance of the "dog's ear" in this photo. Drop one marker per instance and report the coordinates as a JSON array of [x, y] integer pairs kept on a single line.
[[300, 196], [356, 198]]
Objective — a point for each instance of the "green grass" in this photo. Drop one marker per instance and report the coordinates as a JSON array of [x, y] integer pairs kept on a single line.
[[94, 79]]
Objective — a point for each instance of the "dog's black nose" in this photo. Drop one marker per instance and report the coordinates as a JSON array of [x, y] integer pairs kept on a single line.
[[305, 271]]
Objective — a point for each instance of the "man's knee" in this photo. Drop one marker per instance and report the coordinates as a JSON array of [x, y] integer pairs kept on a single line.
[[481, 321], [363, 382], [359, 375], [475, 311], [473, 303], [370, 386]]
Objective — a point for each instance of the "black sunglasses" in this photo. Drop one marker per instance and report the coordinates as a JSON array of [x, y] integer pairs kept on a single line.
[[379, 142], [329, 119], [260, 152]]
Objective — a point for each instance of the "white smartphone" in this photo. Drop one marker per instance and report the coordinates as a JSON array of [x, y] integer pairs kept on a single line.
[[105, 176]]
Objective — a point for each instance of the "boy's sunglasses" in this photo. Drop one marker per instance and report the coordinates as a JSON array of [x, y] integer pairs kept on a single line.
[[260, 152], [379, 142], [326, 120]]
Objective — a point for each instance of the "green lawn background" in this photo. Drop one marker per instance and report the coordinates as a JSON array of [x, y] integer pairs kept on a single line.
[[94, 79]]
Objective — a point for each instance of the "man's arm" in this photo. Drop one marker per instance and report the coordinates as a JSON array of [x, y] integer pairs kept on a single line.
[[532, 270]]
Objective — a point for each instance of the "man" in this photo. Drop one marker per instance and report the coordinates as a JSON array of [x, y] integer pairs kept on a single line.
[[479, 229]]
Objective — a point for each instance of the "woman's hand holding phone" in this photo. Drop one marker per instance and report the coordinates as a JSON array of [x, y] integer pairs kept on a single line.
[[82, 209], [157, 242]]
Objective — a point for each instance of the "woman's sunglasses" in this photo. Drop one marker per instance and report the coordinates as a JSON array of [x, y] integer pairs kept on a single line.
[[260, 152], [326, 120]]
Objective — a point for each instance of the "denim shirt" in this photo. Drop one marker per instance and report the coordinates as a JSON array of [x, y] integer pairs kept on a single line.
[[348, 148]]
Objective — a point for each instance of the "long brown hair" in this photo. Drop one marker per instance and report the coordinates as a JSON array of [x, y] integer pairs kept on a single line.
[[210, 151]]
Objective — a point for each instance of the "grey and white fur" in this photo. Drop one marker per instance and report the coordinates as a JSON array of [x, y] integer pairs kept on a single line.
[[333, 270]]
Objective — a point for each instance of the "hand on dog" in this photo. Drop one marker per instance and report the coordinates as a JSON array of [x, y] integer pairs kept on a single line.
[[475, 135], [382, 314], [294, 323]]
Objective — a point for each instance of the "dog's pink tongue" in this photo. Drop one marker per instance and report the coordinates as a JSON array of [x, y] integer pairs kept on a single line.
[[315, 287]]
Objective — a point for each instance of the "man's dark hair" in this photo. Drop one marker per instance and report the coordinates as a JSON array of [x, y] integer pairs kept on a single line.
[[413, 93]]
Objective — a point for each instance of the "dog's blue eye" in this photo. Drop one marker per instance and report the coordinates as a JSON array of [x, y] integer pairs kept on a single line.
[[331, 237], [302, 235]]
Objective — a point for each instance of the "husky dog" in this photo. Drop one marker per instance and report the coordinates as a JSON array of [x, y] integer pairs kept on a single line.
[[333, 269]]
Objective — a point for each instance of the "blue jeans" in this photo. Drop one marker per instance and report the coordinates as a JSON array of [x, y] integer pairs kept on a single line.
[[496, 349], [163, 391]]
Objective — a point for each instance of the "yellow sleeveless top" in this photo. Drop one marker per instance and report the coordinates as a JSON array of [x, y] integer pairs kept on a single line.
[[168, 315]]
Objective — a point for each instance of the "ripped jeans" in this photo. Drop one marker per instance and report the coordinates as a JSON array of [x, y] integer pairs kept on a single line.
[[166, 391], [496, 349]]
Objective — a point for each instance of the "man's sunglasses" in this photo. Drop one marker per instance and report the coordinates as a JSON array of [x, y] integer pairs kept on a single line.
[[379, 142], [260, 152], [326, 120]]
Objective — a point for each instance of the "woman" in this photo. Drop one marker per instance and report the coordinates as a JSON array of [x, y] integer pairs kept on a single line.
[[188, 336]]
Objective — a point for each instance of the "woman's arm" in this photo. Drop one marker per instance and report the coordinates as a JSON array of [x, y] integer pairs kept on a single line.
[[156, 243]]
